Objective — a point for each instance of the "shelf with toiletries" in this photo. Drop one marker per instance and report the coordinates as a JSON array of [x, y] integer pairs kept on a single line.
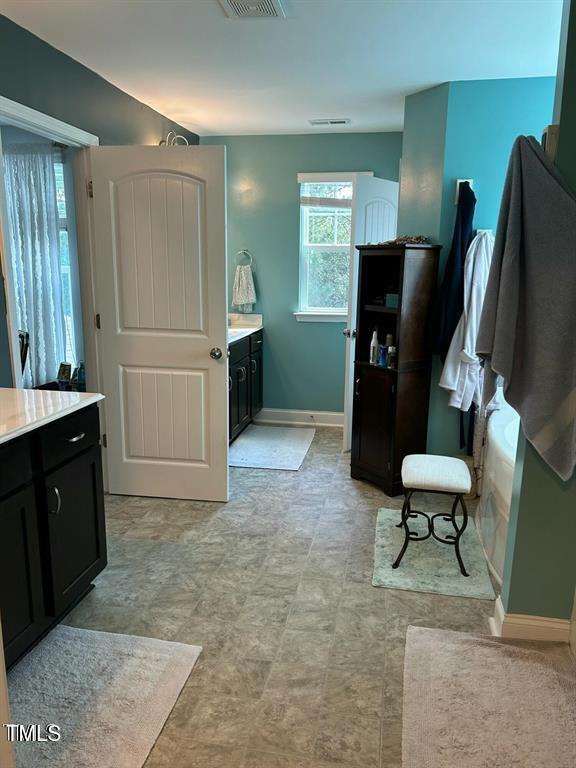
[[396, 285]]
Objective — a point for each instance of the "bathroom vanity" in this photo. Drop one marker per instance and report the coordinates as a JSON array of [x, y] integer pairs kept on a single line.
[[245, 380], [52, 526]]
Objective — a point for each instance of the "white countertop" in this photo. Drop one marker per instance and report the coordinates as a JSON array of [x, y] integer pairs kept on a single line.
[[234, 334], [22, 410], [242, 325]]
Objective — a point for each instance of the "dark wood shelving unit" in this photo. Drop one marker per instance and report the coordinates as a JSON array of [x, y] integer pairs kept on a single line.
[[390, 417]]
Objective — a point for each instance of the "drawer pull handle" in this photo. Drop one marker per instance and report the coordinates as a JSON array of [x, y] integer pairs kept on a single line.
[[258, 341], [77, 438], [229, 383], [242, 371], [58, 502], [253, 365]]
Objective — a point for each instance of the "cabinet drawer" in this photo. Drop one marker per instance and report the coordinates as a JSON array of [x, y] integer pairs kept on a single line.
[[239, 349], [67, 437], [256, 341], [15, 465]]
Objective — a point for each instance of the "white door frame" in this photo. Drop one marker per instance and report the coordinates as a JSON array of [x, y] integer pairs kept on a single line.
[[28, 119]]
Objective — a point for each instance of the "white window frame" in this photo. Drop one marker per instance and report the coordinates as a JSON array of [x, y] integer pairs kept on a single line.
[[326, 315], [28, 119]]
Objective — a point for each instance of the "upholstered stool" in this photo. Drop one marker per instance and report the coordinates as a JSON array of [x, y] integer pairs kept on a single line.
[[435, 474]]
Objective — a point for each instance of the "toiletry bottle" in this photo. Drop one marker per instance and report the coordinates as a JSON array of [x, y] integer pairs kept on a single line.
[[374, 348], [389, 340], [381, 356], [391, 357]]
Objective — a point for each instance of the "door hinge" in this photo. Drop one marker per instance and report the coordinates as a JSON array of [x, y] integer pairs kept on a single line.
[[104, 440], [97, 321], [90, 188], [389, 466]]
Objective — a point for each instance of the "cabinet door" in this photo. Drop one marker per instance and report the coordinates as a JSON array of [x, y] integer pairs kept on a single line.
[[256, 382], [372, 423], [21, 596], [76, 533], [239, 397]]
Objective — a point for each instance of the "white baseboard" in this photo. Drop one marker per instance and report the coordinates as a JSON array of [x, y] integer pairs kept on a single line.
[[300, 418], [517, 626]]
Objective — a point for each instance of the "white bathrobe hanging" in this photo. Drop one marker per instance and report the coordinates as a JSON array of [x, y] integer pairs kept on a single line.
[[462, 375]]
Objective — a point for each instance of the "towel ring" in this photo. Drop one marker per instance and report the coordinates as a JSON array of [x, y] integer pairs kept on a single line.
[[244, 254]]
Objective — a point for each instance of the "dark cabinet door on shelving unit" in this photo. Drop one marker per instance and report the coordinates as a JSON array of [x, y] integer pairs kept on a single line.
[[21, 598], [75, 528], [256, 382], [372, 423]]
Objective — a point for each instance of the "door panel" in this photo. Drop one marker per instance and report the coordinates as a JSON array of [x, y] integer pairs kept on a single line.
[[160, 256], [160, 247], [374, 218], [256, 382], [22, 609], [76, 527], [151, 398]]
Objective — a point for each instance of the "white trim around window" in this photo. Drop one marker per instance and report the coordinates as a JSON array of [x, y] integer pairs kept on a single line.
[[321, 317], [28, 119], [310, 178]]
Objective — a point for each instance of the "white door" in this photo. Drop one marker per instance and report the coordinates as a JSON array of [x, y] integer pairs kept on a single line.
[[374, 218], [159, 229]]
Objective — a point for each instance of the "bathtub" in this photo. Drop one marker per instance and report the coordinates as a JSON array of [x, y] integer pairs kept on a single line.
[[493, 510]]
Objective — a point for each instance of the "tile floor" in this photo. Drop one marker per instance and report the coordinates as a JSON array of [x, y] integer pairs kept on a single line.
[[303, 659]]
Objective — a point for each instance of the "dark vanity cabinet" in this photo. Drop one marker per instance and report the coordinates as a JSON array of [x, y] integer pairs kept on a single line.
[[239, 385], [245, 381], [52, 526], [256, 373], [396, 290]]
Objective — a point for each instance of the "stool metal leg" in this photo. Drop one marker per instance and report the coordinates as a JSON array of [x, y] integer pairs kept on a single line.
[[404, 524], [460, 530], [405, 508]]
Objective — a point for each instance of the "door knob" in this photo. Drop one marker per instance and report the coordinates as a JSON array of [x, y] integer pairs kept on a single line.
[[216, 353]]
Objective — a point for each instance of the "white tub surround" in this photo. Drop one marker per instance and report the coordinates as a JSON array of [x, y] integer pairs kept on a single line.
[[519, 626], [23, 410], [493, 510], [242, 325]]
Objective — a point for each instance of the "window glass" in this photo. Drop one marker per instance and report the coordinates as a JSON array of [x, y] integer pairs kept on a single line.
[[325, 231]]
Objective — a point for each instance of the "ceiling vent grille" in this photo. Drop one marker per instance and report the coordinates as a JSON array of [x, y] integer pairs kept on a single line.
[[330, 121], [253, 9]]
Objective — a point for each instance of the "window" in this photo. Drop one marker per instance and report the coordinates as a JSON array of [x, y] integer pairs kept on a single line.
[[325, 236], [66, 279]]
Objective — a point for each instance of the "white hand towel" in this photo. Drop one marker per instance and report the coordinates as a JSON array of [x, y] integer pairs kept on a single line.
[[243, 292]]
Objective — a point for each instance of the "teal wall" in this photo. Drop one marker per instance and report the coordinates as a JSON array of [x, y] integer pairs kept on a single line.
[[462, 130], [540, 565], [424, 141], [304, 362], [37, 75]]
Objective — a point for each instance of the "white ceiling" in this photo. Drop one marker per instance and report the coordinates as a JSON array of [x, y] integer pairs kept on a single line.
[[329, 58]]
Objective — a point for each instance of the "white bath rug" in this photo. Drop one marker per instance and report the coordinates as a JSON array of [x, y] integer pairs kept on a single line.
[[475, 701], [110, 694], [263, 447]]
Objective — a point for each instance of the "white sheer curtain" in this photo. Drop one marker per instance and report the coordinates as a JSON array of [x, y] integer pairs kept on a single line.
[[34, 237]]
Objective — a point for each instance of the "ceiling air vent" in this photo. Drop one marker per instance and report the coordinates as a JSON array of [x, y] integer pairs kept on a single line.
[[330, 121], [253, 9]]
